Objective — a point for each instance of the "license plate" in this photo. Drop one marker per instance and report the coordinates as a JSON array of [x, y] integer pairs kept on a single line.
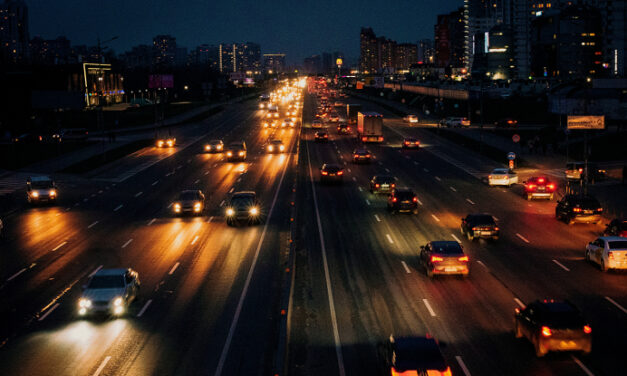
[[331, 174], [450, 269], [404, 202], [568, 344], [587, 211], [385, 186], [486, 232]]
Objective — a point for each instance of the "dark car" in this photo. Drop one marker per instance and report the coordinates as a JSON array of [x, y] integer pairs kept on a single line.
[[41, 189], [576, 171], [411, 143], [236, 151], [403, 200], [444, 257], [28, 138], [331, 173], [382, 184], [243, 207], [343, 128], [414, 356], [576, 208], [214, 146], [189, 201], [506, 123], [553, 326], [539, 187], [618, 227], [479, 226], [361, 155], [321, 136]]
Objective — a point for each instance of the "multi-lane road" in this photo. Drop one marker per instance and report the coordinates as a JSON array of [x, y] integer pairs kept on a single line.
[[210, 295]]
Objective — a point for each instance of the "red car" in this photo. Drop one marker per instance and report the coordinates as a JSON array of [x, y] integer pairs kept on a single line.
[[540, 187]]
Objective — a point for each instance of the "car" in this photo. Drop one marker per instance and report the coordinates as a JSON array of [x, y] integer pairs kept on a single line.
[[479, 226], [502, 177], [331, 173], [410, 143], [506, 123], [334, 118], [610, 252], [578, 208], [321, 136], [28, 138], [455, 122], [361, 155], [316, 124], [109, 291], [552, 325], [214, 146], [41, 189], [275, 146], [414, 356], [287, 123], [272, 113], [576, 171], [236, 151], [71, 135], [410, 119], [382, 184], [243, 207], [539, 187], [166, 142], [272, 123], [189, 201], [444, 257], [402, 200], [617, 227], [343, 128]]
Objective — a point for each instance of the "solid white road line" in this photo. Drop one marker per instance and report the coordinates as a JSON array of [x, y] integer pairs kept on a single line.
[[141, 312], [462, 365], [16, 274], [453, 189], [523, 238], [377, 218], [102, 366], [118, 208], [139, 194], [389, 238], [93, 224], [616, 304], [195, 240], [48, 312], [520, 303], [127, 243], [470, 201], [59, 246], [456, 238], [174, 268], [436, 218], [431, 312], [561, 265], [407, 270], [95, 271], [152, 221], [582, 366]]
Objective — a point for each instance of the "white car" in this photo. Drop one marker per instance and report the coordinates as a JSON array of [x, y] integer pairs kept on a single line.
[[109, 291], [502, 176], [455, 122], [410, 119], [610, 252]]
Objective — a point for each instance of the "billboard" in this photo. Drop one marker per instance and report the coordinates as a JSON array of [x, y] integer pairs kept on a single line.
[[586, 122], [156, 81]]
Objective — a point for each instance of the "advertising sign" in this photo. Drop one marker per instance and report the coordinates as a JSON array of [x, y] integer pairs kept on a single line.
[[586, 122]]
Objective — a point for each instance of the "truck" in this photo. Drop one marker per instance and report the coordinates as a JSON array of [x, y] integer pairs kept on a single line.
[[351, 113], [370, 127]]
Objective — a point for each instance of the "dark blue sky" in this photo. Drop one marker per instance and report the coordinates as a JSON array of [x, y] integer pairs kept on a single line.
[[297, 28]]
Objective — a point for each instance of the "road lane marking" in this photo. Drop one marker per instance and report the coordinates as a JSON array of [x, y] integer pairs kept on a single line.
[[438, 178], [496, 219], [407, 270], [431, 312], [195, 240], [138, 194], [95, 271], [102, 366], [470, 201], [59, 246], [367, 202], [453, 189], [582, 366], [141, 312], [155, 183], [389, 238], [462, 365], [152, 221], [380, 163], [16, 274], [418, 201], [520, 303], [616, 304], [231, 190], [377, 218], [354, 178], [561, 265], [174, 268], [436, 218], [210, 219], [43, 317], [93, 224], [222, 203], [348, 169], [387, 170], [425, 169], [169, 206], [522, 237], [197, 181], [100, 192], [93, 195], [118, 208], [456, 238], [482, 264], [127, 243], [360, 189], [416, 163], [206, 172], [85, 199], [179, 167]]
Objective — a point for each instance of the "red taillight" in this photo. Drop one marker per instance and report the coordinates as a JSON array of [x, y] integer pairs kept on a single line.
[[348, 128], [356, 155], [599, 209], [324, 173], [496, 229], [364, 139], [415, 199], [406, 142], [393, 185], [463, 259], [546, 331], [510, 122], [551, 187], [475, 229], [417, 143], [367, 155], [530, 187], [380, 138], [340, 172], [436, 258], [394, 199], [610, 255], [580, 170], [376, 185], [577, 210], [587, 329], [540, 180]]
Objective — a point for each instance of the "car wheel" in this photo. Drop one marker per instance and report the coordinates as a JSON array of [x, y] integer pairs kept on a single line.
[[517, 331], [602, 265], [470, 236], [551, 197], [569, 221], [540, 350], [528, 197]]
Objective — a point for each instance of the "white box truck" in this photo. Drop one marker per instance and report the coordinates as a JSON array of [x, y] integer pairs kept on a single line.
[[370, 127]]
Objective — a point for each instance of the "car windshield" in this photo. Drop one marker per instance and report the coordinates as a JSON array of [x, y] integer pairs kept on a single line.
[[500, 171], [617, 244], [404, 195], [446, 248], [188, 196], [236, 146], [481, 219], [41, 184], [331, 168], [588, 203], [277, 142], [422, 357], [384, 179], [106, 282], [215, 142], [242, 202], [562, 319]]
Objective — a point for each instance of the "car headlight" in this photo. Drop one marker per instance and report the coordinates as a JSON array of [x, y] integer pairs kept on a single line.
[[207, 147], [117, 302], [177, 207], [219, 147], [170, 142], [270, 148], [228, 153], [254, 211], [197, 207], [241, 153], [84, 303], [230, 212], [53, 192], [281, 147], [118, 310], [35, 194], [159, 143]]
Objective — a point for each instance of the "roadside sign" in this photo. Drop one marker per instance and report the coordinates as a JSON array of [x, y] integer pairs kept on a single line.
[[511, 156], [586, 122], [516, 138]]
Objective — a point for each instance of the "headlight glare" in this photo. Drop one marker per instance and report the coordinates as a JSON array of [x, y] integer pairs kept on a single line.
[[84, 303], [118, 301], [230, 212], [254, 211]]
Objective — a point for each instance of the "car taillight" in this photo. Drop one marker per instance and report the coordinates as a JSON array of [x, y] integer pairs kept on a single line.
[[406, 142], [356, 155], [610, 255], [530, 187], [540, 180], [380, 138], [394, 199], [417, 143], [436, 259], [546, 331], [463, 259], [364, 139], [340, 172], [489, 176], [577, 210], [580, 170], [599, 209], [393, 185], [348, 128], [475, 228], [551, 186], [587, 329], [496, 229], [324, 173], [376, 185], [415, 199]]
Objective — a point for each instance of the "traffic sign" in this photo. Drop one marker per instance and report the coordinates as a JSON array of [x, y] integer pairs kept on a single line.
[[516, 138], [511, 156], [511, 164]]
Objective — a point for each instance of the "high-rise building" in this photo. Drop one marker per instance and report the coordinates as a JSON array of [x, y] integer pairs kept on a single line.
[[251, 57], [51, 52], [406, 55], [164, 47], [206, 55], [14, 38], [382, 54], [369, 58], [614, 14], [387, 53], [274, 63], [239, 57], [449, 40], [140, 56], [426, 52], [312, 64], [479, 17]]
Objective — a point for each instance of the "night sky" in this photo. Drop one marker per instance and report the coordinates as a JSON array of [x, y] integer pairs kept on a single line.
[[297, 28]]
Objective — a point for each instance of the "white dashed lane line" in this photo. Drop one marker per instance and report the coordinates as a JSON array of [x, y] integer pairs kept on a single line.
[[377, 218], [471, 202], [197, 181], [389, 238], [16, 274], [102, 366], [59, 246], [118, 208], [93, 224], [155, 183], [138, 194], [407, 270], [616, 304], [582, 366], [418, 201], [195, 240], [127, 243], [174, 268], [231, 190], [48, 312], [561, 265], [522, 238], [360, 189], [222, 203], [453, 189], [462, 365], [144, 308], [367, 202], [456, 238], [520, 303], [436, 218], [438, 178], [431, 311], [152, 221], [354, 178], [387, 170], [425, 169]]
